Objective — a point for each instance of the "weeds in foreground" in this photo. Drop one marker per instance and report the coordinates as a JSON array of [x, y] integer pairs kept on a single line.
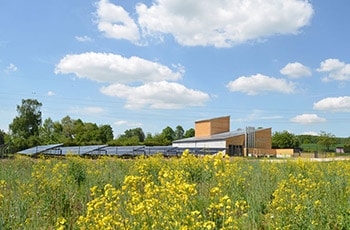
[[183, 193]]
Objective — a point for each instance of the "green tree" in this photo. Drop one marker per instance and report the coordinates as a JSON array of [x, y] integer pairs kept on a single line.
[[168, 133], [47, 132], [179, 132], [138, 132], [28, 121], [327, 140], [67, 129], [125, 141], [24, 129], [86, 133], [156, 140], [189, 133], [308, 139], [2, 137], [284, 140], [105, 133]]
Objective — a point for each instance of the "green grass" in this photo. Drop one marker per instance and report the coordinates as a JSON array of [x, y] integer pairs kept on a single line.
[[152, 193]]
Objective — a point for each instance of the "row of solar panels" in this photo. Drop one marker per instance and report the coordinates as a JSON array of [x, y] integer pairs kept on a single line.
[[59, 149]]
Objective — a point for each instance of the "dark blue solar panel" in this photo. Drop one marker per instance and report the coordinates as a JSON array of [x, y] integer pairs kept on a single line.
[[125, 150], [82, 150], [58, 149], [39, 149]]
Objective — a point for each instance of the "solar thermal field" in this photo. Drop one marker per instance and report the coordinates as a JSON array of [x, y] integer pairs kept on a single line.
[[184, 192]]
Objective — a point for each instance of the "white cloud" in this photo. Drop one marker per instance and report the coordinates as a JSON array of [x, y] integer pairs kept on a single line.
[[333, 104], [295, 70], [50, 93], [11, 68], [257, 115], [115, 22], [230, 23], [259, 83], [128, 123], [312, 133], [83, 38], [336, 69], [157, 95], [307, 119], [87, 110], [112, 68]]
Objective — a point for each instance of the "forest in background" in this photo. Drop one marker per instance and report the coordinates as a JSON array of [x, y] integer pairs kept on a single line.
[[28, 129]]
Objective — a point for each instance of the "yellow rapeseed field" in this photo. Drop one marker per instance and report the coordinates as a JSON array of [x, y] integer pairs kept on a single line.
[[209, 192]]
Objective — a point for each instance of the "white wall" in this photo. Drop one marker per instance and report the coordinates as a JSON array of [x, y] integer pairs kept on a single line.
[[202, 144]]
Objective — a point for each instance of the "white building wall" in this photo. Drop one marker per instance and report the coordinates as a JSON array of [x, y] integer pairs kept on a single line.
[[201, 144]]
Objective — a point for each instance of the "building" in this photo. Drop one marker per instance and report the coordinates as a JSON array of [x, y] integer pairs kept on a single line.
[[215, 133]]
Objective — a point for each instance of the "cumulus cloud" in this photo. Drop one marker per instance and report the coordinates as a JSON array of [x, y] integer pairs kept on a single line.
[[157, 95], [257, 115], [259, 83], [295, 70], [115, 22], [87, 110], [307, 119], [127, 123], [50, 93], [312, 133], [83, 38], [112, 68], [333, 104], [336, 70], [11, 68], [232, 22]]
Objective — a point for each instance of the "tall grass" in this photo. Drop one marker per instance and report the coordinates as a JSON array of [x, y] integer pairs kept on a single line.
[[180, 193]]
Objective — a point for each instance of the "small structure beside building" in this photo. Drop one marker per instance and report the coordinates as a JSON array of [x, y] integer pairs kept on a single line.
[[215, 133], [339, 150]]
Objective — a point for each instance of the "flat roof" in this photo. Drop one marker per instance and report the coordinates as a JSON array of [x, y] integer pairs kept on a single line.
[[211, 119], [216, 137]]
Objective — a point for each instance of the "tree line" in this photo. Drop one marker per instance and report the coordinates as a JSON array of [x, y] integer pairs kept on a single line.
[[28, 129], [328, 141]]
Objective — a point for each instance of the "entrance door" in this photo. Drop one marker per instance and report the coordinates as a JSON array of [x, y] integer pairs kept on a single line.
[[235, 150]]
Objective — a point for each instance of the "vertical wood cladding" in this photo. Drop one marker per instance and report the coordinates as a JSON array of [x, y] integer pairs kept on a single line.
[[209, 127], [237, 140], [263, 138]]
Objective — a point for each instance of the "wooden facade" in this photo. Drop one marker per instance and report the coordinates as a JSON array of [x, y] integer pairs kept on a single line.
[[216, 133], [205, 128]]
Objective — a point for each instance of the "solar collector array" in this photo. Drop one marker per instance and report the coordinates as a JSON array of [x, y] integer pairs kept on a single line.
[[58, 149]]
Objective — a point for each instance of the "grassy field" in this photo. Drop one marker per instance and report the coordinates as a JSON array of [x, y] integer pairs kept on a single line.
[[176, 193]]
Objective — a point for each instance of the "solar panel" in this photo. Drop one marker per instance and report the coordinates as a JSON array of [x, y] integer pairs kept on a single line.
[[40, 149], [58, 149], [165, 150], [125, 150], [83, 150]]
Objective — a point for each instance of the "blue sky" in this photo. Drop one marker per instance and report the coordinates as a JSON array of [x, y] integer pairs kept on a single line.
[[283, 64]]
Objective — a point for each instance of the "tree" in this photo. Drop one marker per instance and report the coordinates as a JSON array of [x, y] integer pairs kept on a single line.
[[189, 133], [156, 140], [86, 133], [28, 121], [138, 132], [2, 137], [105, 133], [125, 141], [47, 131], [24, 129], [284, 140], [168, 133], [327, 140], [179, 132], [67, 128]]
